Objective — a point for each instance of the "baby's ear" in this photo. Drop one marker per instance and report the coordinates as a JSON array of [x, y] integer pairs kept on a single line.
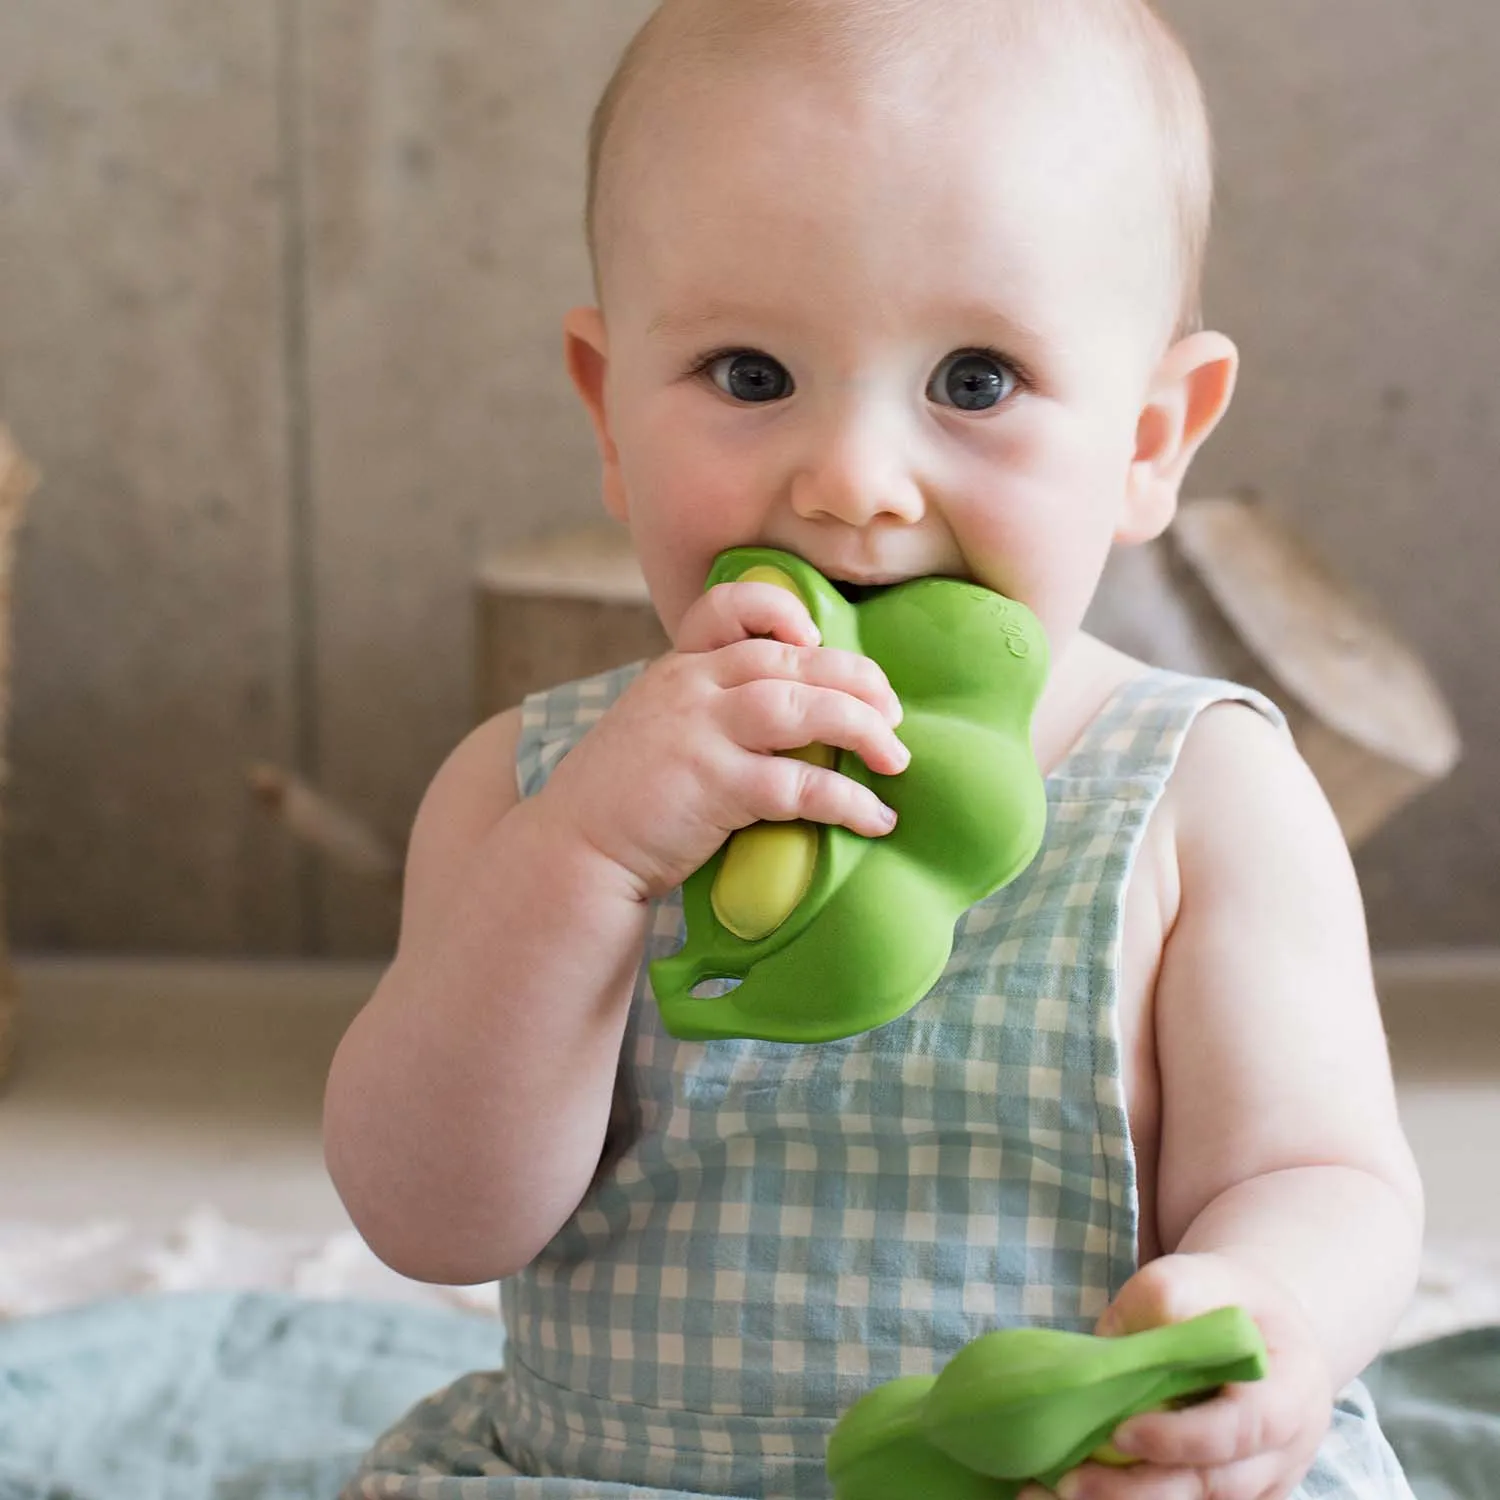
[[1189, 392], [586, 352]]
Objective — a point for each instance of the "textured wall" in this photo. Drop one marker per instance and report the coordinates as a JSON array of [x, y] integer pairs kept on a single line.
[[279, 322], [1357, 263], [279, 302], [141, 316]]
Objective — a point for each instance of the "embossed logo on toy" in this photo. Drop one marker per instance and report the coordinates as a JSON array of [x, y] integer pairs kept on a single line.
[[1017, 640]]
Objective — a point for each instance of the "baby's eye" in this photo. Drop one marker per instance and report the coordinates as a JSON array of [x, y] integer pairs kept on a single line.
[[748, 376], [972, 380]]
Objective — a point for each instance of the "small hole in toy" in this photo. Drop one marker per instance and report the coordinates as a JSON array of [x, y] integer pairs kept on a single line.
[[712, 989]]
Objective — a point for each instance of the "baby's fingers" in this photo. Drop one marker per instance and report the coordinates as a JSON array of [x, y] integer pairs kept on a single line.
[[848, 671], [1241, 1421], [773, 714], [1257, 1478], [731, 612], [788, 788]]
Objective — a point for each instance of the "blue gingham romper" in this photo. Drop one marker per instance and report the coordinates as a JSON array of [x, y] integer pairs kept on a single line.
[[778, 1228]]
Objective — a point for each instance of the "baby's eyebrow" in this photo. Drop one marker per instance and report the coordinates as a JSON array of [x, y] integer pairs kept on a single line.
[[685, 325], [984, 317], [972, 317]]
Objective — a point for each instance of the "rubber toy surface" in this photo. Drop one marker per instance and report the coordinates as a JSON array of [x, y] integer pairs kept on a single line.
[[1029, 1404], [831, 933]]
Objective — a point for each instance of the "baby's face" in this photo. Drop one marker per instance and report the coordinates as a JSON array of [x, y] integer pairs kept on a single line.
[[897, 341]]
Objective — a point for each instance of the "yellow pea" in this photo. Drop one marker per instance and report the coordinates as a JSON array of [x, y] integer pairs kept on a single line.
[[766, 871], [765, 573], [768, 867], [1107, 1453], [814, 755]]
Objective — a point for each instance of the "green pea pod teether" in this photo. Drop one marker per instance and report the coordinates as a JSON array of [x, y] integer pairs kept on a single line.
[[831, 933], [1026, 1404]]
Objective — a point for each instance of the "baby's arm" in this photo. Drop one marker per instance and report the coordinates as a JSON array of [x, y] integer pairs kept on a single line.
[[1280, 1140], [467, 1105], [1285, 1183], [500, 1016]]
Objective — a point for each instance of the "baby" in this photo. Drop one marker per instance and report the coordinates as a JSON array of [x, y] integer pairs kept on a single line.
[[906, 288]]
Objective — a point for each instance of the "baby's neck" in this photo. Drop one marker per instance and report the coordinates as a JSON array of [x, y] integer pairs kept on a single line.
[[1083, 676]]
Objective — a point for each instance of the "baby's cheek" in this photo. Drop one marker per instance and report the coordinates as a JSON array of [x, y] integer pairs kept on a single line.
[[1010, 549], [675, 563], [1061, 546]]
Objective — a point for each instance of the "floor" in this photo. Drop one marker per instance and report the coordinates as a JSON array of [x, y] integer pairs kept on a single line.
[[146, 1088], [1442, 1015], [142, 1089]]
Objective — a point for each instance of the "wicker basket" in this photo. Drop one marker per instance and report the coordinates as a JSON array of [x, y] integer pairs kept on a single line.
[[16, 481]]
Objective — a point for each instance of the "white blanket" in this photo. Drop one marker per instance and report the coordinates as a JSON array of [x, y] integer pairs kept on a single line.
[[44, 1268]]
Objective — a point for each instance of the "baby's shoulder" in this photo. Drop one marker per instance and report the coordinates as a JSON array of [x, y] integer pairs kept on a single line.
[[1233, 784], [473, 790], [1235, 750], [1242, 799], [1099, 693], [476, 785]]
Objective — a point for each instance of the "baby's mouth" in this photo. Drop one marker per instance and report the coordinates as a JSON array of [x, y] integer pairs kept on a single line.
[[858, 593]]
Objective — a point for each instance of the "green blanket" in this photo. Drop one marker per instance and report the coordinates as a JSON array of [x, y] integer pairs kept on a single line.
[[256, 1396], [216, 1396], [1439, 1404]]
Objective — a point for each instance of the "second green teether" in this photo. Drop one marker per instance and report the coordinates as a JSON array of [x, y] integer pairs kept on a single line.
[[1026, 1404]]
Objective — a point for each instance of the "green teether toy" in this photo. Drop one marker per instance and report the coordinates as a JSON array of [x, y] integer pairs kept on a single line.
[[831, 933], [1026, 1404]]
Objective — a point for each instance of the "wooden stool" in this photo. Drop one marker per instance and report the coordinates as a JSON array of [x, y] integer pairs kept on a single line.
[[1230, 591], [566, 606]]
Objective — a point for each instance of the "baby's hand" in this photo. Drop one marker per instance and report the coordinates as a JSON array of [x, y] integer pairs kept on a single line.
[[687, 754], [1251, 1442]]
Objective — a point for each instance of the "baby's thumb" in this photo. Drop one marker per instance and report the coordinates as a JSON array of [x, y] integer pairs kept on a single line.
[[1169, 1290]]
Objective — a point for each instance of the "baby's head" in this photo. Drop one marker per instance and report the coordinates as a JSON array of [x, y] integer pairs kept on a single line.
[[904, 286]]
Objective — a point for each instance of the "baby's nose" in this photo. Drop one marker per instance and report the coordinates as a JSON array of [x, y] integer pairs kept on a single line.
[[856, 470]]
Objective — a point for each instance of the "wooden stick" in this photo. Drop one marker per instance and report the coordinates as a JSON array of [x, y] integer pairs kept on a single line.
[[17, 477], [307, 814], [17, 480]]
